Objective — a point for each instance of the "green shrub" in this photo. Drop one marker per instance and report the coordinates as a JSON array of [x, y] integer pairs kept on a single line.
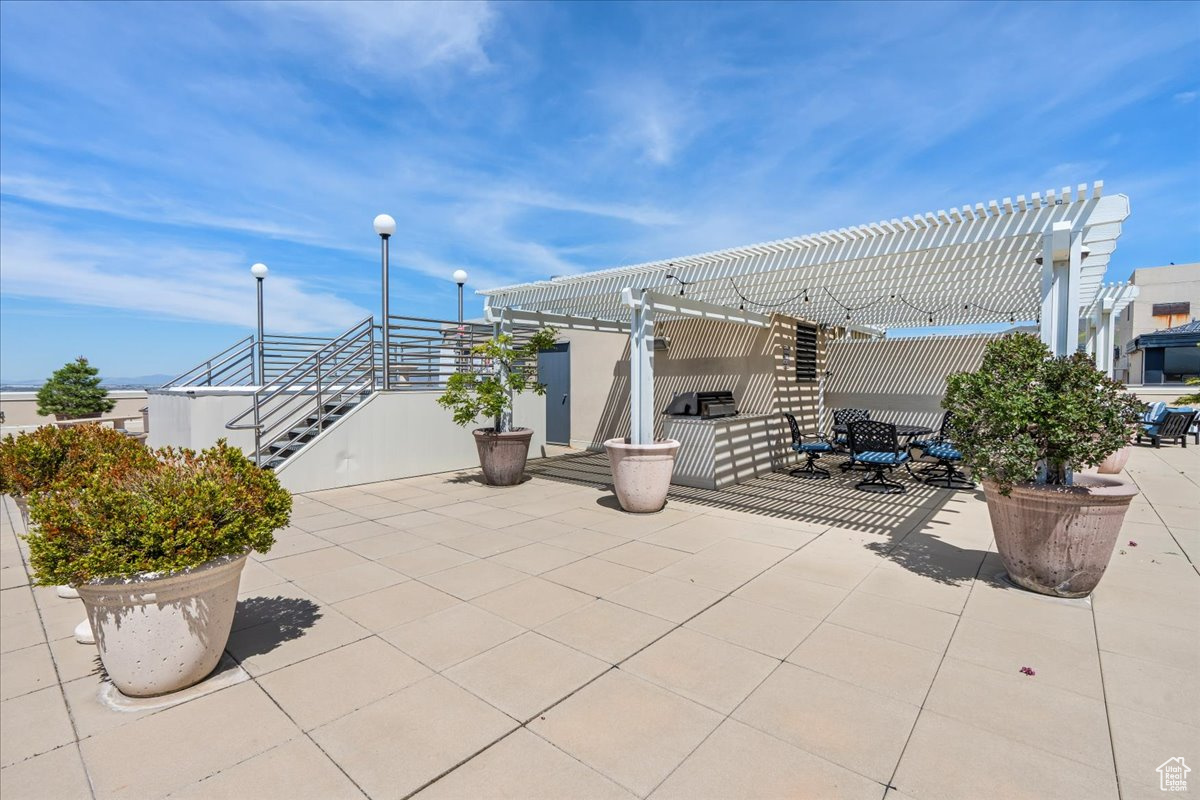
[[34, 461], [1026, 416], [181, 511], [74, 390], [1194, 397], [489, 393]]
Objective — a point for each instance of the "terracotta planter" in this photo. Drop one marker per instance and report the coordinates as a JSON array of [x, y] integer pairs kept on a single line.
[[161, 632], [1058, 540], [502, 455], [1114, 463], [642, 473]]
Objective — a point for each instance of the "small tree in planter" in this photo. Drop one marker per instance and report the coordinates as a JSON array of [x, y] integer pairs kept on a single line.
[[157, 553], [507, 370], [74, 391], [1025, 423]]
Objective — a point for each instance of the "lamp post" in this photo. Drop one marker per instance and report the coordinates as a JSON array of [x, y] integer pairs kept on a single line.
[[460, 277], [259, 271], [385, 226]]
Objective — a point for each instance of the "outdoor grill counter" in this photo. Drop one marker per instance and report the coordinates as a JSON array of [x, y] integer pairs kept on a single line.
[[718, 447]]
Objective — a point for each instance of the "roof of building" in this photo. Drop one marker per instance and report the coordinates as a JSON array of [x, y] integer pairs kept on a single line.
[[974, 264], [1179, 336]]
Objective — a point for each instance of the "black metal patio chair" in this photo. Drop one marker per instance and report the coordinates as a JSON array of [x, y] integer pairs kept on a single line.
[[876, 447], [1174, 426], [945, 471], [841, 441], [812, 448]]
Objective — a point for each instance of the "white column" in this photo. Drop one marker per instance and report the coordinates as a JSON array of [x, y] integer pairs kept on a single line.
[[1072, 295], [635, 373], [1049, 317], [1104, 338], [646, 375], [1062, 259]]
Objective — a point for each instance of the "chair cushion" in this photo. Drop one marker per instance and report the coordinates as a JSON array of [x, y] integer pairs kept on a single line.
[[1155, 413], [944, 450], [923, 443], [812, 447], [878, 457], [1151, 430]]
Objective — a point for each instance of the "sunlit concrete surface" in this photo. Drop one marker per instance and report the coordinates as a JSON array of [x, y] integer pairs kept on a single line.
[[781, 638]]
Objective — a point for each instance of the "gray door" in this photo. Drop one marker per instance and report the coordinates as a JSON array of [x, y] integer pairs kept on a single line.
[[554, 370]]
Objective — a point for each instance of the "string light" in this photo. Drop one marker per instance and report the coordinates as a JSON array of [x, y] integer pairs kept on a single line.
[[780, 304]]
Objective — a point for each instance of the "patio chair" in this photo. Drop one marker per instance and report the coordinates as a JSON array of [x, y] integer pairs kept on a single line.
[[844, 416], [812, 450], [875, 446], [945, 472], [1173, 426]]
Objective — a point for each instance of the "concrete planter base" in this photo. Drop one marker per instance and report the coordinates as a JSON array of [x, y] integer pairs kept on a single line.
[[1058, 540], [1114, 463], [159, 633], [502, 455], [642, 473]]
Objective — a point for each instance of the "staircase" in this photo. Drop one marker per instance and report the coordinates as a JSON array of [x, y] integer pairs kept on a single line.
[[282, 448], [294, 407]]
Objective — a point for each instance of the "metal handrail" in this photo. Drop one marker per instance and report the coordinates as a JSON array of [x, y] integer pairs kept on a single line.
[[242, 344], [342, 368]]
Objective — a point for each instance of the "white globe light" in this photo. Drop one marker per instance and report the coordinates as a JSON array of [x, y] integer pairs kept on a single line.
[[460, 276], [259, 270], [385, 225]]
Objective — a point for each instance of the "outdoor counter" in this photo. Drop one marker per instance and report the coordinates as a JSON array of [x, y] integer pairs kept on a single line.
[[715, 453]]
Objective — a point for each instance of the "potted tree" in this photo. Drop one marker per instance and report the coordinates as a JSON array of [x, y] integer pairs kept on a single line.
[[74, 392], [1026, 423], [504, 371], [156, 553], [34, 461]]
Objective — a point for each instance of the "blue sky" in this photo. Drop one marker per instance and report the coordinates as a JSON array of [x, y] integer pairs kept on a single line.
[[150, 152]]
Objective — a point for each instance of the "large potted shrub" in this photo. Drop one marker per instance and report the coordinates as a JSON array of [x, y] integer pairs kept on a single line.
[[156, 554], [74, 392], [500, 370], [1027, 423], [34, 461]]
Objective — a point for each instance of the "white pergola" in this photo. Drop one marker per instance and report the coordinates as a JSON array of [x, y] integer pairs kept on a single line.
[[1100, 320], [1041, 257]]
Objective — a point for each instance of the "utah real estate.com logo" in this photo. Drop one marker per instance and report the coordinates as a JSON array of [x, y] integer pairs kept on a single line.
[[1172, 775]]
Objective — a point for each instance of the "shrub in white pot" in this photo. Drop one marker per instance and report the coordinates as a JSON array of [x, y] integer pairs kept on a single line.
[[505, 370], [1027, 423], [156, 553]]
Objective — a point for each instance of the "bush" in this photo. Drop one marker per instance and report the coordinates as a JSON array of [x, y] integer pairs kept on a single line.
[[181, 511], [33, 462], [74, 391], [511, 370], [1026, 416]]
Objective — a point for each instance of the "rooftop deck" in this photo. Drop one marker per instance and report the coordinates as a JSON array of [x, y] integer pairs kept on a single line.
[[784, 638]]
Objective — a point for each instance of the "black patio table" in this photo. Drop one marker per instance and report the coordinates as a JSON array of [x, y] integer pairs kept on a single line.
[[902, 431]]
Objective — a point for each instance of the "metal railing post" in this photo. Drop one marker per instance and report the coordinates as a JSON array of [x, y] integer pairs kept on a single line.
[[257, 434], [320, 395], [209, 373]]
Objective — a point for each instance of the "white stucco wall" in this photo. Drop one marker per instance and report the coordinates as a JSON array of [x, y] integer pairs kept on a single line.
[[397, 435], [196, 418]]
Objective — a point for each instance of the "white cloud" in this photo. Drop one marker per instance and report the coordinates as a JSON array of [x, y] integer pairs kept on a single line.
[[1186, 97], [158, 280], [385, 38]]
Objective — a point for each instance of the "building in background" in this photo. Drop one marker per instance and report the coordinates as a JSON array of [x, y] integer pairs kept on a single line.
[[1156, 335]]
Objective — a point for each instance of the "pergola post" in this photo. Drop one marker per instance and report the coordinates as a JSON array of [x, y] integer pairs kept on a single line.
[[1062, 261], [1104, 323], [641, 368]]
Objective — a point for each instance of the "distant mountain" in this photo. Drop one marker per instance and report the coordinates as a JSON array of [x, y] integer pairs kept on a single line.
[[135, 382]]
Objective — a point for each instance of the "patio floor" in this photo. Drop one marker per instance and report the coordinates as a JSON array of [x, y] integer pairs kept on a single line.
[[785, 638]]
